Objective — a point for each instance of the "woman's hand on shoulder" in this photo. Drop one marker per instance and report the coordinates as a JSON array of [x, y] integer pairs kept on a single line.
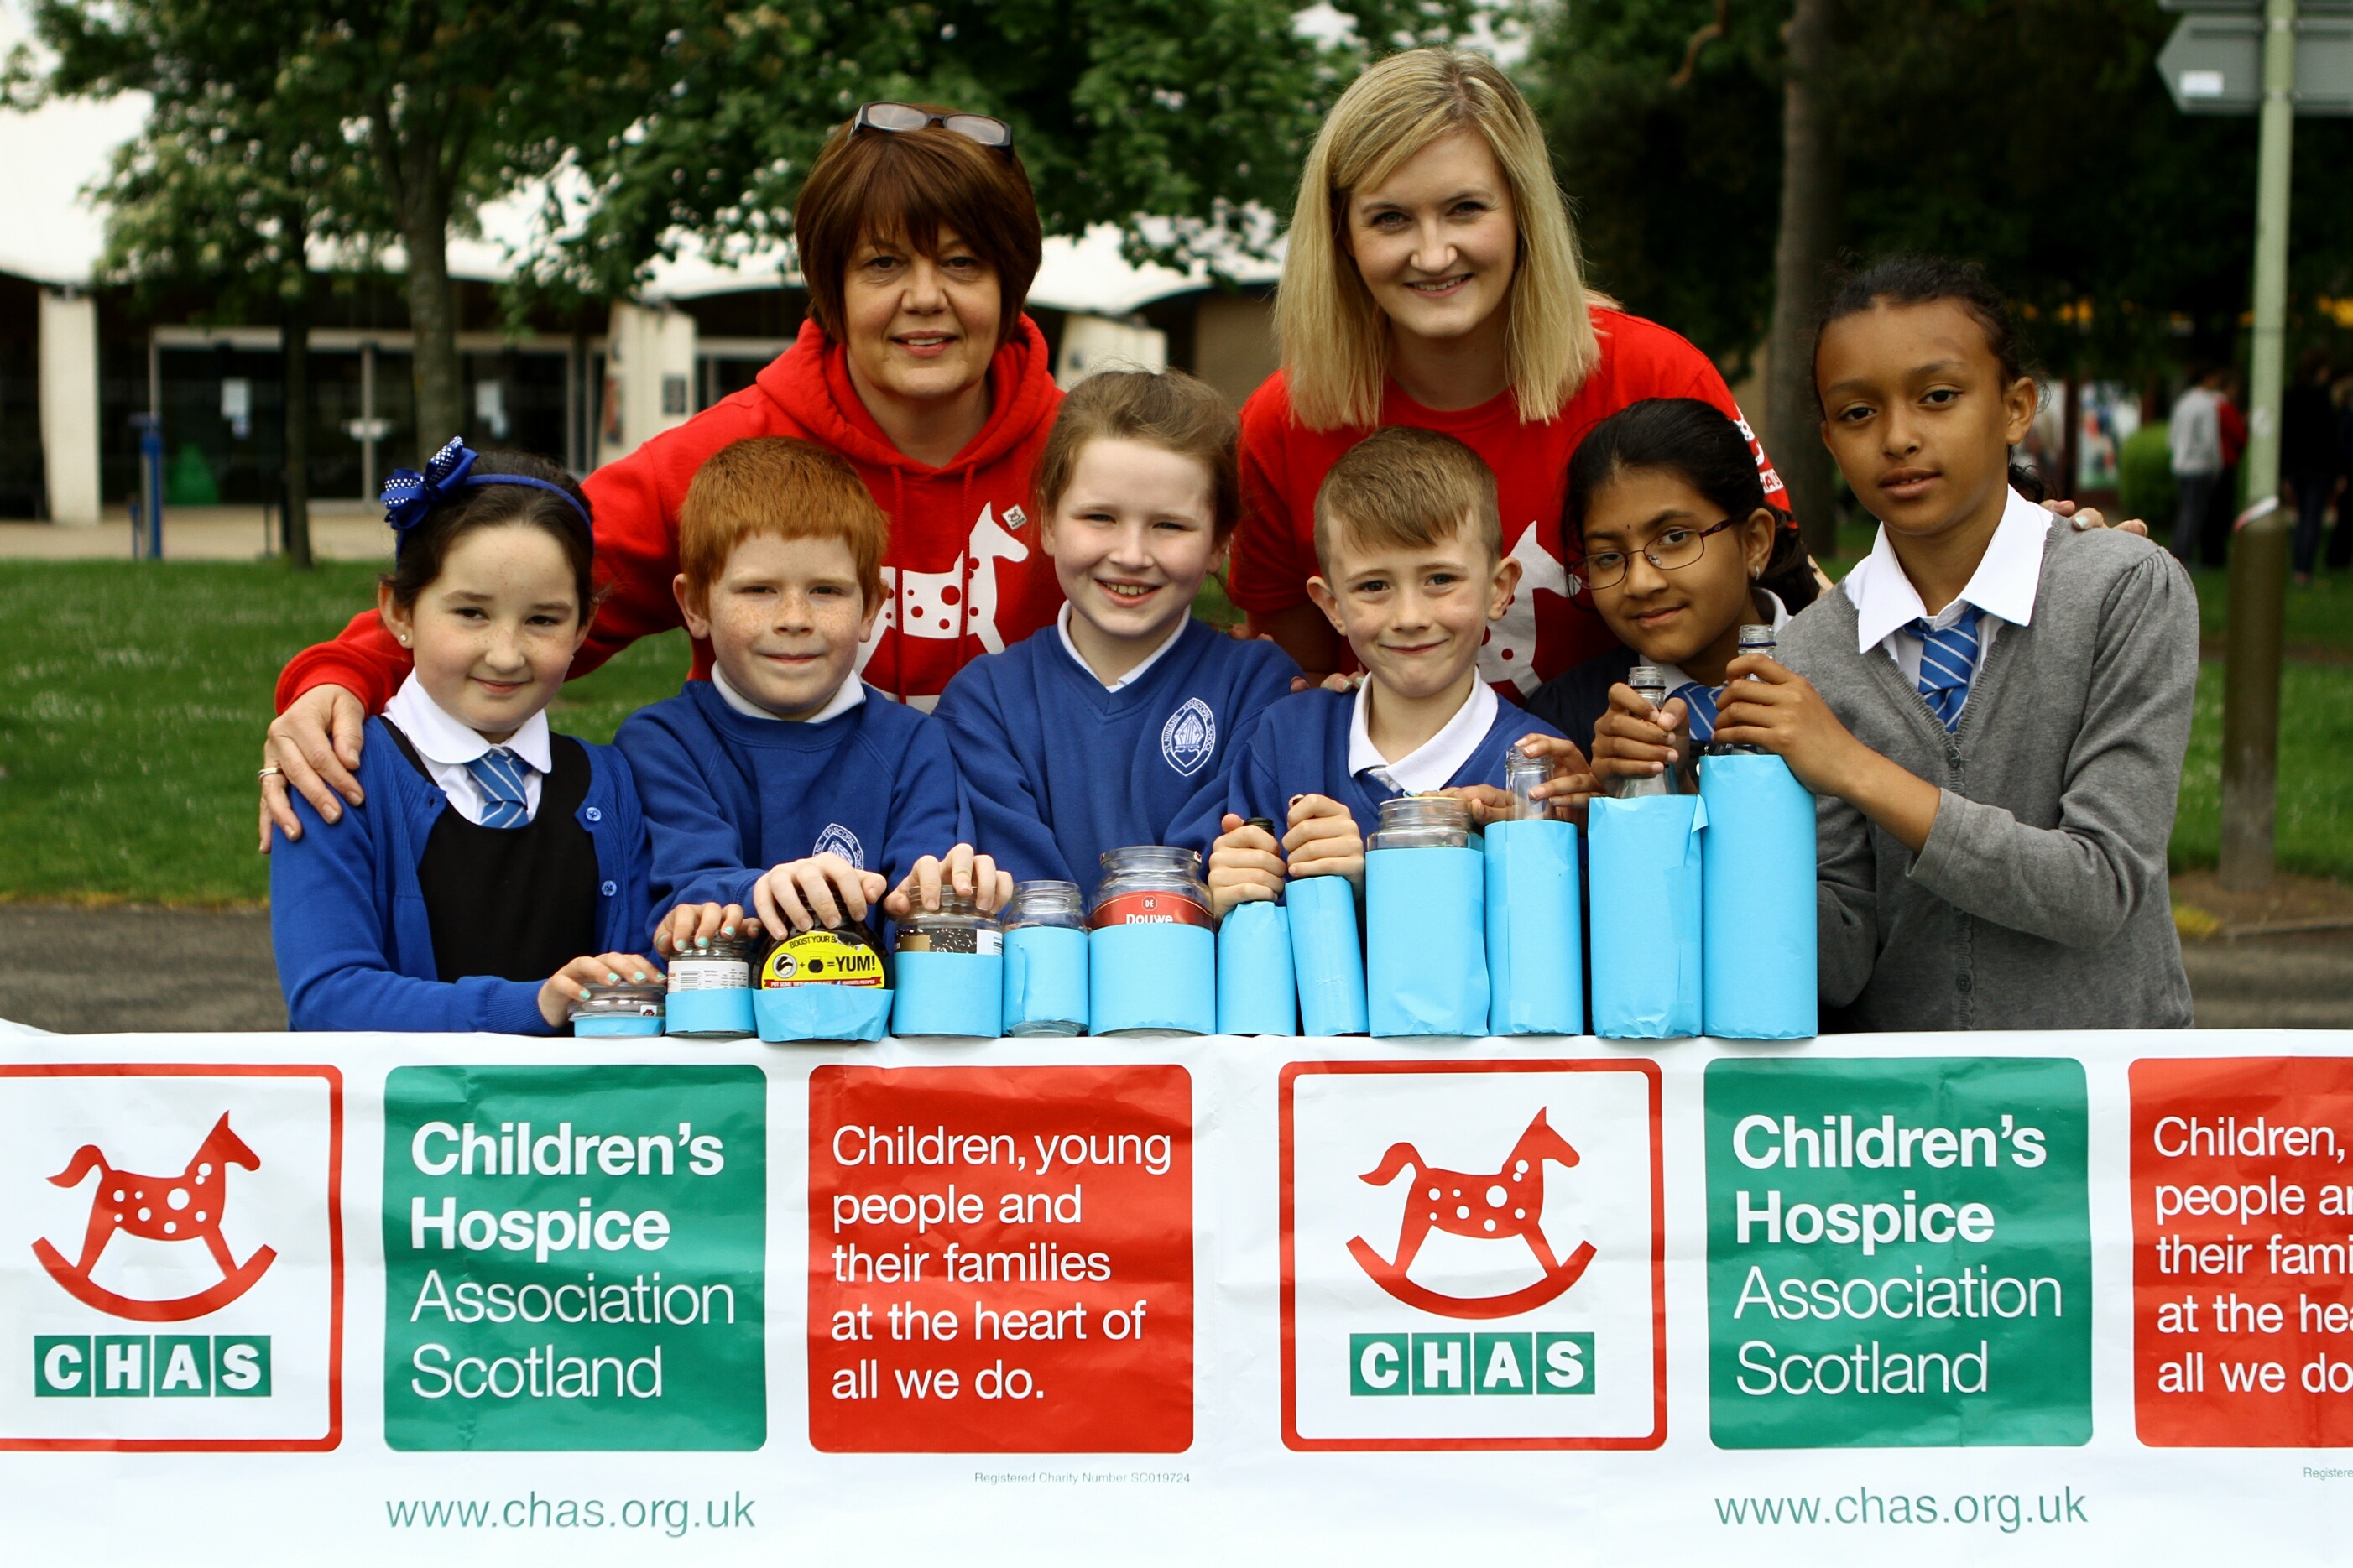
[[314, 747], [963, 870], [2091, 517], [1633, 740], [1245, 865], [570, 984]]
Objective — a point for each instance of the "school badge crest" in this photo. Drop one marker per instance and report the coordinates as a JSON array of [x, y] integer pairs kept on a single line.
[[1189, 737], [839, 840]]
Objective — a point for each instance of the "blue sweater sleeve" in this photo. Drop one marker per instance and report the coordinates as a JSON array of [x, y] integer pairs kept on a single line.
[[328, 922], [698, 856], [1009, 822], [624, 855], [928, 811], [1249, 789]]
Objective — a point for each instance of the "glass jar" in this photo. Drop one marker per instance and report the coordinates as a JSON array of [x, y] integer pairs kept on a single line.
[[1045, 903], [1521, 776], [956, 926], [1150, 884], [722, 964], [610, 1010], [1423, 822]]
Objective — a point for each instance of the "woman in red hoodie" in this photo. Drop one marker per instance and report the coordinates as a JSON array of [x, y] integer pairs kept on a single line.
[[918, 236], [1442, 291]]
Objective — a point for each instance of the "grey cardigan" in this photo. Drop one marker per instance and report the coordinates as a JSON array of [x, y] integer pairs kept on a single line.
[[2039, 900]]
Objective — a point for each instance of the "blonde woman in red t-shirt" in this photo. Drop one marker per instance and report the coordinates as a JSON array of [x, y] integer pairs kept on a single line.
[[1441, 290]]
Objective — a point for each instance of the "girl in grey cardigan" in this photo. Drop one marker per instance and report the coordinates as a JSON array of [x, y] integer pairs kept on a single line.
[[1992, 710]]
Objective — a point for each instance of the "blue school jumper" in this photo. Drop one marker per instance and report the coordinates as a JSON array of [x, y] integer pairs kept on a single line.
[[729, 797], [1301, 748], [1060, 770], [352, 928]]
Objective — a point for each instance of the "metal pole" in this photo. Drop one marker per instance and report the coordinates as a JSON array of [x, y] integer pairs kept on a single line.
[[2251, 688]]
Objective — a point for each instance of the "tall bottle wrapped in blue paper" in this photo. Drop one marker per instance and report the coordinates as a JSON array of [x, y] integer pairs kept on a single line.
[[1152, 954], [1046, 960], [1325, 955], [1425, 914], [951, 971], [1256, 995], [1758, 967], [1536, 936], [1646, 925]]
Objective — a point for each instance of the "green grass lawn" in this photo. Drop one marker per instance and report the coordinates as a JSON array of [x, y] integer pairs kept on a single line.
[[132, 700]]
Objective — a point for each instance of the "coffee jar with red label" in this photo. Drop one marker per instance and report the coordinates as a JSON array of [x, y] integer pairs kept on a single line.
[[1150, 884]]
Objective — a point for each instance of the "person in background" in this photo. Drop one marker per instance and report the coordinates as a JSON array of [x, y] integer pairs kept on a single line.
[[1992, 708], [2195, 436], [2222, 505], [496, 868], [1414, 574], [1094, 732], [2310, 477], [2340, 539], [919, 236], [784, 784]]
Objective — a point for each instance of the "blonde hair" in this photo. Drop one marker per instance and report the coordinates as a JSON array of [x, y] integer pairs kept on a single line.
[[1405, 487], [1334, 339], [774, 486], [1165, 408]]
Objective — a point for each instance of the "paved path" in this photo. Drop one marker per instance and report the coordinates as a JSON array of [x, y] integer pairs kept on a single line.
[[99, 970], [340, 530]]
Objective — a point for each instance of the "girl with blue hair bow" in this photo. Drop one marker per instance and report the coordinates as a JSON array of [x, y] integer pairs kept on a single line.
[[497, 868]]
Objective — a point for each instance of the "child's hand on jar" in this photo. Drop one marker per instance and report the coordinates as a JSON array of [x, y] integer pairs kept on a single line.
[[1323, 840], [571, 983], [963, 870], [1634, 739], [821, 890], [694, 925], [1245, 865]]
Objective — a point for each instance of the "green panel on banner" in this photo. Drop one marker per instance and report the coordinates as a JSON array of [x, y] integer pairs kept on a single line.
[[1899, 1253], [574, 1257]]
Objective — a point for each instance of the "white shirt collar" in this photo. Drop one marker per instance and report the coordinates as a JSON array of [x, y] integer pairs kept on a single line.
[[848, 695], [440, 738], [2003, 586], [1062, 630], [1436, 760]]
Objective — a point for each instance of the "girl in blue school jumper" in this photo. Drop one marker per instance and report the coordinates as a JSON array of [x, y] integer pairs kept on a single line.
[[1093, 733], [496, 868]]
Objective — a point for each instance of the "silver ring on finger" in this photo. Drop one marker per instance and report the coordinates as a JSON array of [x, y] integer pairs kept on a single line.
[[272, 770]]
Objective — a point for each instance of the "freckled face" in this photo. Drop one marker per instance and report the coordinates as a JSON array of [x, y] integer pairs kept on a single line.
[[785, 620]]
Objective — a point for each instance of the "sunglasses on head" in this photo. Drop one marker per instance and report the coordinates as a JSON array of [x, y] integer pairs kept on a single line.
[[904, 117]]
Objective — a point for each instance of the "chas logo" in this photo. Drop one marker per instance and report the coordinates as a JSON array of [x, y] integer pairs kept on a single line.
[[241, 1347], [1529, 1258]]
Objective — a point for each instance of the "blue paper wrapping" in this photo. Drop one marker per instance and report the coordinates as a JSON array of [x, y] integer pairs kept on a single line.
[[1758, 968], [1325, 957], [1045, 976], [1255, 994], [1152, 977], [950, 994], [1535, 932], [821, 1012], [726, 1013], [1426, 951], [1646, 916], [611, 1027]]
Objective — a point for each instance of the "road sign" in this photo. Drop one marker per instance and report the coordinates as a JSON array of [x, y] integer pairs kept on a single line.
[[2213, 63]]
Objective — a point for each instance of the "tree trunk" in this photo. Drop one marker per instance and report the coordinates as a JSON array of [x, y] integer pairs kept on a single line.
[[432, 304], [294, 331], [1812, 202]]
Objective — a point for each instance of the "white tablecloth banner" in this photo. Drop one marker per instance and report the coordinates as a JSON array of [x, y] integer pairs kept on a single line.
[[447, 1299]]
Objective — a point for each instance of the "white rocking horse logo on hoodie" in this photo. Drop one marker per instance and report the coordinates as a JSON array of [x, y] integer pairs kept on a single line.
[[1510, 651], [959, 602]]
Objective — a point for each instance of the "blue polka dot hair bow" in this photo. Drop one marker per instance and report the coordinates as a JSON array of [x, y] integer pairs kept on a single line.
[[408, 495]]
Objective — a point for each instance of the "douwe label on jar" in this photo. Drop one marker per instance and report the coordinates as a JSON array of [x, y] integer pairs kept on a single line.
[[1149, 909]]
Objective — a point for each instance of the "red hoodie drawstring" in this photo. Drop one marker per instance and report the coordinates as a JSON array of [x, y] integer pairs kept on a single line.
[[964, 575]]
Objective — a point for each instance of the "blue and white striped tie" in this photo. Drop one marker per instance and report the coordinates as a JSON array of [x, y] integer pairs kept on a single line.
[[500, 774], [1699, 704], [1949, 662]]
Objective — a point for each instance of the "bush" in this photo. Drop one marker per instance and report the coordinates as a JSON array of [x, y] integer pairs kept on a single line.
[[2144, 475]]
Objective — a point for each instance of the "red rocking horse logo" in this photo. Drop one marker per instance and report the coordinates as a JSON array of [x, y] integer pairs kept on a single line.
[[185, 1207], [1493, 1206]]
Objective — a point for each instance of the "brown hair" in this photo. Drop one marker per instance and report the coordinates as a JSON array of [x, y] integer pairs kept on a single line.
[[906, 186], [1407, 487], [774, 486], [425, 547], [1165, 408]]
